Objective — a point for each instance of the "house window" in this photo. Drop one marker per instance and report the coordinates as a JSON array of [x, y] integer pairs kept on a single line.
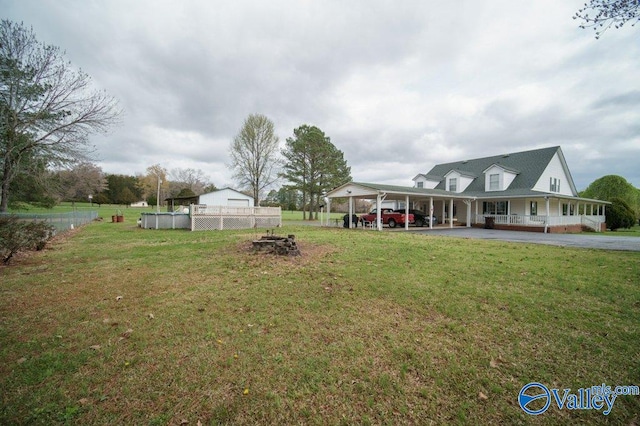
[[533, 208], [554, 185], [453, 184], [495, 207], [420, 184], [494, 182], [565, 209]]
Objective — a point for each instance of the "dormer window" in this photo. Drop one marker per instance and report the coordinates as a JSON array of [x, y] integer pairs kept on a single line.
[[494, 182], [453, 184], [498, 177], [458, 180]]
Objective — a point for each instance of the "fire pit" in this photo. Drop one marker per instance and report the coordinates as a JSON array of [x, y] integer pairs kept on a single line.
[[284, 246]]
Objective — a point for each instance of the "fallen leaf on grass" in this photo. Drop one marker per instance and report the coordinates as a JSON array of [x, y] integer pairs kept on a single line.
[[21, 360], [246, 392], [118, 298], [495, 363], [482, 396], [95, 347]]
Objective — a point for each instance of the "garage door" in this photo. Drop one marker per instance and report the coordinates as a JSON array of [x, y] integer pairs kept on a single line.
[[236, 202]]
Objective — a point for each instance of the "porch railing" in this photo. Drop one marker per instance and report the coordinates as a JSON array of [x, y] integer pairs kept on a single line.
[[592, 221]]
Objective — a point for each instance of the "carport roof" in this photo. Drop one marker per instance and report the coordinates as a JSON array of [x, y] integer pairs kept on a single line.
[[372, 190]]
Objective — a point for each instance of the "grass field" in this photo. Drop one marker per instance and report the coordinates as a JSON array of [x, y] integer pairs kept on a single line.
[[107, 210], [112, 324]]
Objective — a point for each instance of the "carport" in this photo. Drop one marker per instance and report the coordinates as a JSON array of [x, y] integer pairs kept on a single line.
[[380, 193]]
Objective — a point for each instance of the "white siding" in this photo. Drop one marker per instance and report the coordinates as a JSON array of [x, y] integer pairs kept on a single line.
[[518, 206], [223, 197], [462, 182], [426, 183], [554, 170], [508, 178], [233, 202]]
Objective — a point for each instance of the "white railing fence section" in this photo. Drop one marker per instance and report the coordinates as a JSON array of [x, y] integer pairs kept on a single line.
[[204, 218]]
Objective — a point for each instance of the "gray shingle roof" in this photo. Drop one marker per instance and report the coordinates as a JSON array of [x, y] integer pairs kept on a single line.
[[529, 165]]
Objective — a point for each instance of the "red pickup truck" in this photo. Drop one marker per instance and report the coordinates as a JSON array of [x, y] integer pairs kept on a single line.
[[388, 217]]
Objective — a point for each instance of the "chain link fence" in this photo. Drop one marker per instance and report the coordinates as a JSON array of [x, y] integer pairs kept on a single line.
[[62, 222]]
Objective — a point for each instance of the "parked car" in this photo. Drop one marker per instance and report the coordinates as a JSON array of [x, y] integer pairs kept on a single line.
[[420, 217], [388, 217]]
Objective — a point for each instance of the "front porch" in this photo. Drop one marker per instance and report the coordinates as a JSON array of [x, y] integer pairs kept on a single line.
[[550, 224], [535, 212]]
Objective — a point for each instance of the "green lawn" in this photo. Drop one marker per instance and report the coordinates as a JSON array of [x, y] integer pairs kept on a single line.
[[106, 210], [113, 324]]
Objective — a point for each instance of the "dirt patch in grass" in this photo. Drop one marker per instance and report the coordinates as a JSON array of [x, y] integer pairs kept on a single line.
[[309, 253]]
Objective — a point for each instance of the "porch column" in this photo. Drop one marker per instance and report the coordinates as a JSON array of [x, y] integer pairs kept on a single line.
[[476, 218], [604, 210], [468, 203], [328, 211], [451, 213], [406, 212], [443, 212], [430, 212], [548, 206]]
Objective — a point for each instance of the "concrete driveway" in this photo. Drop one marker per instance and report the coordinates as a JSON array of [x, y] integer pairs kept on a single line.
[[592, 241]]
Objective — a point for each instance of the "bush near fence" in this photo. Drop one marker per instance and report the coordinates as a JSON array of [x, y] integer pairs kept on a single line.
[[17, 236]]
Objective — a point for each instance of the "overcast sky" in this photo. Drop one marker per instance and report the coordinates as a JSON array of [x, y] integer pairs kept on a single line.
[[398, 86]]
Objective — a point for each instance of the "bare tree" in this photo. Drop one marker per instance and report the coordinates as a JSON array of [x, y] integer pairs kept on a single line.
[[154, 184], [82, 180], [254, 155], [195, 180], [602, 14], [47, 108]]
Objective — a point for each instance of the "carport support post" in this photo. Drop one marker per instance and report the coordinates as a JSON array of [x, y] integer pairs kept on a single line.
[[430, 212], [350, 212], [378, 212], [406, 213]]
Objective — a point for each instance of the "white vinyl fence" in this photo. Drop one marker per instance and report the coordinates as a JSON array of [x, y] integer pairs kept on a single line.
[[206, 218]]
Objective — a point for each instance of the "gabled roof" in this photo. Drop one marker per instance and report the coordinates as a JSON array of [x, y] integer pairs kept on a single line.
[[462, 173], [506, 169], [428, 177], [528, 165], [392, 192]]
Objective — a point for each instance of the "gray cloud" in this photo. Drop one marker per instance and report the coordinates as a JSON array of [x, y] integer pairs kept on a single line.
[[398, 86]]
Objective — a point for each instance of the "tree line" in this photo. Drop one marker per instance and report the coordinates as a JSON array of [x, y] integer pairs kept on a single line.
[[48, 110]]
